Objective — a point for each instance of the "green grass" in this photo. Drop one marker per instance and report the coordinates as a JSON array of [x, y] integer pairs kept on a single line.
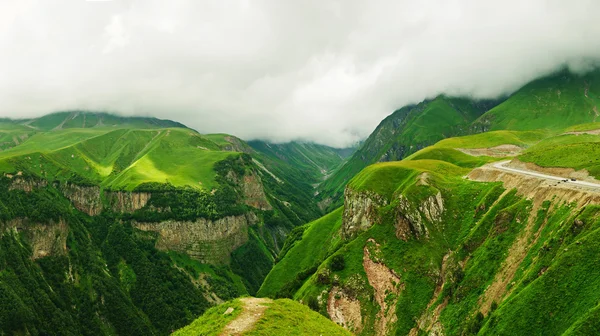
[[403, 133], [387, 178], [212, 322], [554, 102], [450, 155], [282, 317], [287, 317], [494, 138], [567, 151], [86, 119], [584, 127], [313, 159], [318, 241], [218, 138], [121, 158]]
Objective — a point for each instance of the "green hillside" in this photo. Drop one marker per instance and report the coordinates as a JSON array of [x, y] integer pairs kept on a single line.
[[118, 159], [281, 317], [318, 161], [87, 217], [477, 228], [404, 132], [305, 248], [86, 119], [554, 102]]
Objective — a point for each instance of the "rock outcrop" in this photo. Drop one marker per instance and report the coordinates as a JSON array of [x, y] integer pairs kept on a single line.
[[386, 285], [360, 211], [26, 184], [254, 193], [85, 199], [123, 201], [44, 239], [344, 310], [88, 199], [207, 241], [411, 219]]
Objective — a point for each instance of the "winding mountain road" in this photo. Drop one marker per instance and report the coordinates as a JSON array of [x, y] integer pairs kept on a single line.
[[502, 166]]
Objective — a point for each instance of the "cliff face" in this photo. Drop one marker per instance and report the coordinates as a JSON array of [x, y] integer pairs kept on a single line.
[[207, 241], [254, 193], [123, 201], [44, 239], [360, 211], [85, 199], [26, 184], [89, 199]]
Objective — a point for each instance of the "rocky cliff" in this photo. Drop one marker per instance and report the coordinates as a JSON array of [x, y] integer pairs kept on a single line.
[[207, 241], [360, 211], [44, 239]]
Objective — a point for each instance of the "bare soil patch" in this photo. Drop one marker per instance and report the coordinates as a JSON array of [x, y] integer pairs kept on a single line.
[[252, 311]]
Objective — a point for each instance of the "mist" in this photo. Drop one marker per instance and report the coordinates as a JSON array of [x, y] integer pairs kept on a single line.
[[320, 71]]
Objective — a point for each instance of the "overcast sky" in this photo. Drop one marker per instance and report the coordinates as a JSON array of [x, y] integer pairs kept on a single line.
[[323, 71]]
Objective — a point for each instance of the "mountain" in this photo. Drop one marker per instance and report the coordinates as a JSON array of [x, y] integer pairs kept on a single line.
[[316, 161], [134, 227], [469, 235], [554, 102], [496, 253], [87, 119], [458, 218], [404, 132]]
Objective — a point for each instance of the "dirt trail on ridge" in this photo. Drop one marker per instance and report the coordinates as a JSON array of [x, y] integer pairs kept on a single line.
[[252, 311]]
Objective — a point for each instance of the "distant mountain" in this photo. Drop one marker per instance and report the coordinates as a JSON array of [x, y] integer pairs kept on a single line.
[[317, 161], [404, 132], [140, 223], [87, 119], [553, 102]]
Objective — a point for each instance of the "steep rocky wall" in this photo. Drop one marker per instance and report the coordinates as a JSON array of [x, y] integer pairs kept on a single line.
[[85, 199], [360, 211], [88, 199], [204, 240], [123, 201], [411, 219], [44, 239], [26, 184], [254, 193]]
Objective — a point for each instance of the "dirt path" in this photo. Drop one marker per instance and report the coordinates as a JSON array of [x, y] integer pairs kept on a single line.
[[251, 312]]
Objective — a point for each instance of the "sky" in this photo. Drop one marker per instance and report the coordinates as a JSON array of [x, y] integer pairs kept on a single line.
[[321, 71]]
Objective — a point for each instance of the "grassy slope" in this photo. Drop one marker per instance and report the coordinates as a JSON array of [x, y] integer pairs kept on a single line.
[[213, 321], [412, 260], [315, 160], [286, 317], [119, 159], [554, 102], [85, 119], [567, 151], [403, 133], [282, 317], [556, 287], [447, 149], [319, 240]]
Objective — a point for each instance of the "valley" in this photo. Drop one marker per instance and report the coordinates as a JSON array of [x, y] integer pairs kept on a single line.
[[455, 217], [275, 168]]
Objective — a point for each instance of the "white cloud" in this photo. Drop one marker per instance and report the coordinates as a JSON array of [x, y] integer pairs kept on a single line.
[[326, 71]]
